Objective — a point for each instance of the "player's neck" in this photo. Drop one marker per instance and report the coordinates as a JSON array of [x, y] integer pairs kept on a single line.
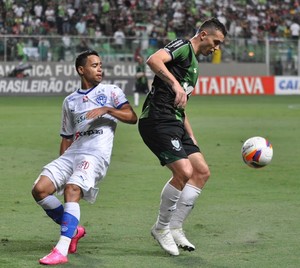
[[88, 86]]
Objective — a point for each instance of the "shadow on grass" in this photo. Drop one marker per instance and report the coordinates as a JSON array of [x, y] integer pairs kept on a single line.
[[26, 253]]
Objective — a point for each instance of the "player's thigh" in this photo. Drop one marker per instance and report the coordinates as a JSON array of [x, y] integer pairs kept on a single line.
[[88, 171], [58, 171], [164, 140]]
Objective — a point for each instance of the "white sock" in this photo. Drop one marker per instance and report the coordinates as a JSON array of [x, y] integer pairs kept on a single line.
[[73, 211], [136, 98], [73, 208], [63, 245], [53, 208], [185, 205], [49, 202], [169, 198]]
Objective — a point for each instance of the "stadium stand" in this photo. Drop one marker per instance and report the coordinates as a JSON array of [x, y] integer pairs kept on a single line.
[[146, 25], [243, 18]]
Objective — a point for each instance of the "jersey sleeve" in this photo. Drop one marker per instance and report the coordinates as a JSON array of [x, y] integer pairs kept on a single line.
[[118, 97], [177, 49], [67, 126]]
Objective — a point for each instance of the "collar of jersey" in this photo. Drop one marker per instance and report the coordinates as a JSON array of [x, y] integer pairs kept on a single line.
[[85, 91]]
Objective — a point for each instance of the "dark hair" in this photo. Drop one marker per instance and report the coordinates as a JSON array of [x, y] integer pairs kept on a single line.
[[213, 23], [82, 57]]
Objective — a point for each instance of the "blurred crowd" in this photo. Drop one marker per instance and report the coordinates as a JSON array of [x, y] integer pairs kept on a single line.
[[253, 19], [55, 30]]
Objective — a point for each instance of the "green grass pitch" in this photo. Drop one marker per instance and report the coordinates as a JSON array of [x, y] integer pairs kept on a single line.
[[244, 217]]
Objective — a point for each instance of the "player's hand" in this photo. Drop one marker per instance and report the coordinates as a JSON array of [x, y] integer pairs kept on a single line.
[[194, 140], [180, 98], [96, 113]]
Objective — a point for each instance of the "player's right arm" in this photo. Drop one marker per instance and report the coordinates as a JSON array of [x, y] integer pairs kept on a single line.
[[157, 62]]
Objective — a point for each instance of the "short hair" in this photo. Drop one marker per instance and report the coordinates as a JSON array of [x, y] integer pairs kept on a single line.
[[213, 24], [82, 57]]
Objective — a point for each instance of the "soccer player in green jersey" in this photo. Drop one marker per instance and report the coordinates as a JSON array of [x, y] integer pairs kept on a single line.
[[141, 80], [165, 129]]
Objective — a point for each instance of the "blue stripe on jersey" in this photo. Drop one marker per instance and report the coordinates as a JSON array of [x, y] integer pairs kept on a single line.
[[84, 91], [119, 106], [68, 137]]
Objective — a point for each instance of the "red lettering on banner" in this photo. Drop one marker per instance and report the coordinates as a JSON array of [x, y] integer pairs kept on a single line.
[[236, 85]]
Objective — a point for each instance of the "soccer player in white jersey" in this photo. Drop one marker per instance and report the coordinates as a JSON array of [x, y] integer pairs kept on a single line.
[[89, 120]]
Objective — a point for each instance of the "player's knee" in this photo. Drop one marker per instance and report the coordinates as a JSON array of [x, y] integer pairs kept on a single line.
[[72, 188], [73, 193], [38, 192], [206, 174], [42, 187], [200, 177], [186, 174]]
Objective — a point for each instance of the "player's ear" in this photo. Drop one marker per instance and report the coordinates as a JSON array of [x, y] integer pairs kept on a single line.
[[80, 70], [203, 34]]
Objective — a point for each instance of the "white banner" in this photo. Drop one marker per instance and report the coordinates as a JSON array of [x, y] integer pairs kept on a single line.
[[287, 85], [58, 78]]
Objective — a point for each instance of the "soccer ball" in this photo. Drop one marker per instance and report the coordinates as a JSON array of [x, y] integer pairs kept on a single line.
[[257, 152]]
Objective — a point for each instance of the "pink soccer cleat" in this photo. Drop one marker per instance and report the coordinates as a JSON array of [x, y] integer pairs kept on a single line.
[[53, 258], [73, 245]]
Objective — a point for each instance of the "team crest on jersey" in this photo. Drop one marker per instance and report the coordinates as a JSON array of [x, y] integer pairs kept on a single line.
[[176, 144], [101, 99]]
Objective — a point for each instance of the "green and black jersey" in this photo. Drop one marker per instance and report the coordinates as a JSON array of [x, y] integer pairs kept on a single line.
[[159, 104]]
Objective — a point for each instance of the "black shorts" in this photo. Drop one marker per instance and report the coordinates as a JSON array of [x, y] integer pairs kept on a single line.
[[168, 140]]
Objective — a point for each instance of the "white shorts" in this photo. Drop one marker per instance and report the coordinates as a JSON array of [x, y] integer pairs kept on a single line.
[[83, 170]]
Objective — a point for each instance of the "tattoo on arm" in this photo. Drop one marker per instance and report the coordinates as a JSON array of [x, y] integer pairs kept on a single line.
[[163, 76]]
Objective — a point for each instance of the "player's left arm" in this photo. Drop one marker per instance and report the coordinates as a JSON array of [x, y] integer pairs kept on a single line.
[[67, 128], [189, 129], [65, 144], [125, 113]]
